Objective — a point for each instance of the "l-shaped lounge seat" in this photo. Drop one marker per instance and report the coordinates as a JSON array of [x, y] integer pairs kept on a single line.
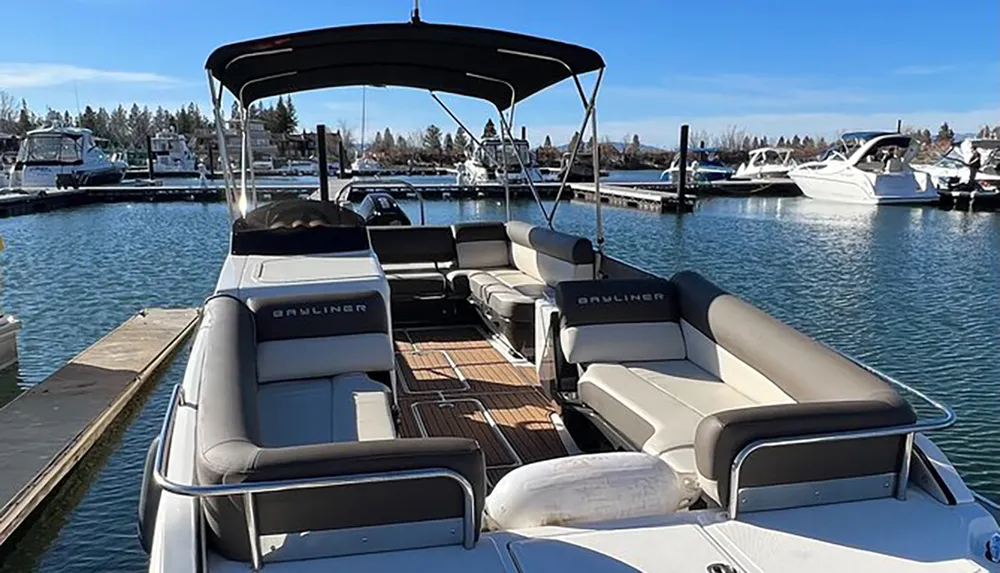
[[682, 370], [501, 268], [294, 389]]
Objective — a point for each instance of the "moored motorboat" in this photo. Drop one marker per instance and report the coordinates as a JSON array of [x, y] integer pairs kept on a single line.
[[766, 163], [875, 172], [9, 327], [704, 166], [503, 396], [493, 160], [952, 169], [64, 157]]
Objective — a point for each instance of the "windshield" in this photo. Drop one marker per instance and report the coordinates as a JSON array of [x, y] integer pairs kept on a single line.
[[50, 148]]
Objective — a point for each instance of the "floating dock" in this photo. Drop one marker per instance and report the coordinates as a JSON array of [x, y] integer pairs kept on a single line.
[[50, 427], [630, 197]]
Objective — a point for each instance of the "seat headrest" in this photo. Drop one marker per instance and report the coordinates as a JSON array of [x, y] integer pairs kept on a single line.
[[317, 316], [616, 301]]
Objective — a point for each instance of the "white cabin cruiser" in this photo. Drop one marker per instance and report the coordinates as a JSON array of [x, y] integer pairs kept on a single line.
[[703, 165], [874, 173], [953, 167], [365, 164], [64, 157], [171, 155], [493, 159], [364, 399], [767, 163], [9, 327]]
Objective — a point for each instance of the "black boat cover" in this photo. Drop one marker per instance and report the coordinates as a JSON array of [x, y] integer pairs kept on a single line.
[[475, 62]]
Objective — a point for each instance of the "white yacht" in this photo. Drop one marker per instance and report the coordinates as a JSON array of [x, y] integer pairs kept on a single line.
[[171, 155], [502, 396], [767, 163], [492, 158], [704, 165], [365, 164], [953, 167], [63, 157], [870, 170]]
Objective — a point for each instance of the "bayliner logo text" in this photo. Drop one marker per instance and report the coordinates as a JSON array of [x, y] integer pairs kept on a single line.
[[300, 311], [612, 298]]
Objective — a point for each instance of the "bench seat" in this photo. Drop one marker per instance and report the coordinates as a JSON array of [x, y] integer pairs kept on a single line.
[[685, 371]]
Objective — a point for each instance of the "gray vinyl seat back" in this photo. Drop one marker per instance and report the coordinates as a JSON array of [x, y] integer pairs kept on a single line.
[[828, 393], [315, 522], [301, 337], [619, 320], [549, 256], [481, 245], [402, 245]]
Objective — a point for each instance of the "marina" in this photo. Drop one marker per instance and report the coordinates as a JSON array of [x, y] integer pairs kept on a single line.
[[49, 428], [693, 366]]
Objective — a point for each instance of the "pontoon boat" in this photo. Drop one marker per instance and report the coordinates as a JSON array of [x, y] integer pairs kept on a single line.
[[503, 396]]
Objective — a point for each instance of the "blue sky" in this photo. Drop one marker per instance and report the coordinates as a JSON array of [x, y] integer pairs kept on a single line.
[[769, 66]]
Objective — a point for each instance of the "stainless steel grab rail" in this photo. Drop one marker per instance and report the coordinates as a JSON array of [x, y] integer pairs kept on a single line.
[[946, 419], [248, 490], [344, 192]]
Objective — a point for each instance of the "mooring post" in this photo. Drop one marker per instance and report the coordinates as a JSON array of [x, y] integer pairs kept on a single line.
[[211, 161], [149, 155], [324, 175], [342, 158], [899, 126], [524, 133], [682, 169]]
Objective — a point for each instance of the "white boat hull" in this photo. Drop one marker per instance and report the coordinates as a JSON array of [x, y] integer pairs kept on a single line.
[[855, 186], [9, 327]]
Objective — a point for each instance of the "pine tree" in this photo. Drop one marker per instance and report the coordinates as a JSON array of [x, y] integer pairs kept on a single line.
[[821, 143], [377, 144], [291, 116], [945, 133], [548, 142], [461, 140], [781, 141], [796, 142], [745, 145], [88, 119], [387, 140], [573, 140], [401, 142], [489, 130], [635, 143], [449, 144], [432, 138], [756, 143]]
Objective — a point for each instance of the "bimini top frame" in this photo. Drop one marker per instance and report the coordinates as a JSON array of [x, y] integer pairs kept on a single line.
[[500, 67]]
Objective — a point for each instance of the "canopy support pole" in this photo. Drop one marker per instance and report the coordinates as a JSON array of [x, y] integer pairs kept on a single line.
[[527, 176], [220, 132], [590, 110]]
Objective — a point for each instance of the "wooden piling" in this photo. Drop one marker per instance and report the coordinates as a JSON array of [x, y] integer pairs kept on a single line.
[[682, 164], [150, 160], [324, 174]]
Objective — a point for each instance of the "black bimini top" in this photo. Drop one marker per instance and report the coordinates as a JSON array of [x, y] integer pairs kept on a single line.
[[437, 57]]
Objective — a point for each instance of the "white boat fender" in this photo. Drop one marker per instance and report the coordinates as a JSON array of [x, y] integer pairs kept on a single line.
[[586, 488], [149, 500]]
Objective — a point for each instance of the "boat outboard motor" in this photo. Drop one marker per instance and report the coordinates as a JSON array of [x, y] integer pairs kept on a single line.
[[382, 209]]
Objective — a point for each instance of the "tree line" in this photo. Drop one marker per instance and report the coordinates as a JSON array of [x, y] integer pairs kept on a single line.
[[127, 128]]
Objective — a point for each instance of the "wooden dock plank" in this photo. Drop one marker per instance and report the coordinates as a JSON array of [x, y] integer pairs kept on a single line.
[[48, 428]]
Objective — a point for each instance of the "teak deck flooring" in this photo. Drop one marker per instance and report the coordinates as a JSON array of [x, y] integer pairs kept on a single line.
[[453, 382]]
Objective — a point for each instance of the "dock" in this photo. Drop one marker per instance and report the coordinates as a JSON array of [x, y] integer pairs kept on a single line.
[[634, 198], [50, 427]]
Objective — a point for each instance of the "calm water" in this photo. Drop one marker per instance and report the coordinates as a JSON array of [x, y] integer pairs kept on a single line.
[[911, 291]]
